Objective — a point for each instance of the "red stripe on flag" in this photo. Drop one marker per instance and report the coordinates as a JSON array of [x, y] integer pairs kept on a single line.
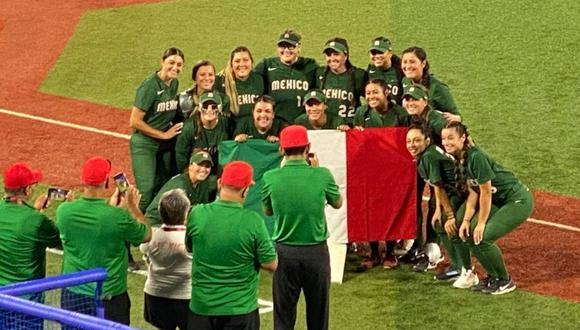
[[381, 185]]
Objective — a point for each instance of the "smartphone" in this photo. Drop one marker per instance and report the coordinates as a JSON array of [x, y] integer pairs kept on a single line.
[[121, 182], [55, 194], [310, 156]]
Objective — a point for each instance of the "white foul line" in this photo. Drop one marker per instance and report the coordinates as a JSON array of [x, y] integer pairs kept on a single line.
[[65, 124]]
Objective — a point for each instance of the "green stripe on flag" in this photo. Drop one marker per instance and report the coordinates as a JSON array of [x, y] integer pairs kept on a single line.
[[263, 156]]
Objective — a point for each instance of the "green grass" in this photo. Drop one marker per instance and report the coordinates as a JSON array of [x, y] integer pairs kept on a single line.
[[510, 65], [401, 299]]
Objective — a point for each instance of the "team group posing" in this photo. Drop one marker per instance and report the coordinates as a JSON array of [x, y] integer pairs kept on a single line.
[[474, 200]]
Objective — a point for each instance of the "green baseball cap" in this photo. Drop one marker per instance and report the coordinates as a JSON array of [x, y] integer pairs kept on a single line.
[[315, 94], [210, 97], [336, 45], [381, 44], [200, 157], [416, 91], [290, 37]]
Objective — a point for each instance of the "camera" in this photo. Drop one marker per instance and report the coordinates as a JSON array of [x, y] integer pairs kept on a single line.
[[57, 194], [121, 182]]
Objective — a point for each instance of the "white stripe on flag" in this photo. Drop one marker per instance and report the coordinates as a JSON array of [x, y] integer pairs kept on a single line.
[[330, 147]]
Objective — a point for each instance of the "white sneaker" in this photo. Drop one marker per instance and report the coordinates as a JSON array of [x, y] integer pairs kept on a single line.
[[433, 252], [466, 280]]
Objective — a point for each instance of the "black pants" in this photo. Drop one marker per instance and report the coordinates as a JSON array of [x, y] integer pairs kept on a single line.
[[165, 313], [431, 235], [117, 308], [304, 268], [250, 321]]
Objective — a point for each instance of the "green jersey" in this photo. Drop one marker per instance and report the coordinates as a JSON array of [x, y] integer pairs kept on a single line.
[[297, 194], [248, 91], [158, 102], [228, 244], [198, 194], [24, 235], [287, 84], [332, 122], [437, 168], [93, 234], [343, 91], [481, 168], [439, 95], [368, 117], [206, 139], [246, 126], [391, 77]]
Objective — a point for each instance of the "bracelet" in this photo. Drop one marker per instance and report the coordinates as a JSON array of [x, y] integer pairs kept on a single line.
[[467, 220]]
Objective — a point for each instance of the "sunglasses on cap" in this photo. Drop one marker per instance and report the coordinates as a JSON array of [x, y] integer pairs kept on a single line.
[[286, 45], [376, 52]]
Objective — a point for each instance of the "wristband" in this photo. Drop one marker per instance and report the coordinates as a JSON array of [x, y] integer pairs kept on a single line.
[[467, 220]]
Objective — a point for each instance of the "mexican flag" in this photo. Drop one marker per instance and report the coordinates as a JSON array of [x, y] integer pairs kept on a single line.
[[375, 173]]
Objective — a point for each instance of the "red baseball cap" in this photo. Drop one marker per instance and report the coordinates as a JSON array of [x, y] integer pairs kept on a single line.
[[237, 174], [19, 175], [96, 171], [294, 136]]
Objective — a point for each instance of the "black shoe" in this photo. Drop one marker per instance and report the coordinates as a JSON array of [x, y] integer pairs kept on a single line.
[[410, 257], [504, 286], [492, 286], [449, 274], [422, 263]]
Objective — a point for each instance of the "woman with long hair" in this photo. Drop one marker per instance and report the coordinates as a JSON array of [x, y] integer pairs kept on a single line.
[[496, 204]]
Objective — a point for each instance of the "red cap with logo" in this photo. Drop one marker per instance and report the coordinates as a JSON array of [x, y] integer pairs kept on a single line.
[[96, 171], [19, 175], [294, 136], [237, 174]]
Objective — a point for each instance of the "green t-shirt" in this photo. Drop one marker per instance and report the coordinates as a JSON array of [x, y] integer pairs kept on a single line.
[[208, 139], [390, 77], [198, 194], [395, 116], [297, 194], [437, 168], [246, 126], [287, 84], [343, 91], [332, 122], [228, 244], [93, 234], [248, 91], [482, 168], [24, 235], [158, 101]]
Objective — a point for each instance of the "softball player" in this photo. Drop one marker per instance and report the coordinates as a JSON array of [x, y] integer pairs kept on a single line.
[[203, 76], [316, 116], [379, 110], [240, 83], [416, 102], [340, 81], [262, 125], [386, 66], [416, 69], [496, 204], [204, 130], [437, 169], [154, 127], [288, 76]]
